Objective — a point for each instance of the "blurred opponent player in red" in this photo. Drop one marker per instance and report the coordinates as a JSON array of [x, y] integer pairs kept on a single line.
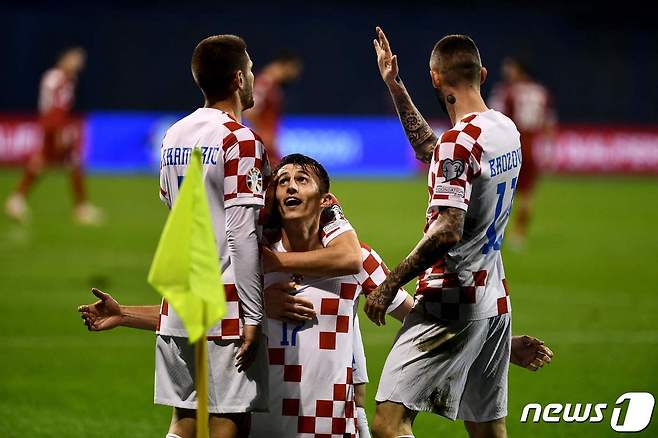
[[265, 116], [529, 104], [61, 139]]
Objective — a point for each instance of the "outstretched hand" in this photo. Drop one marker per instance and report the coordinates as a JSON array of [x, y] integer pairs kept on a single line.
[[386, 60], [530, 353], [104, 314]]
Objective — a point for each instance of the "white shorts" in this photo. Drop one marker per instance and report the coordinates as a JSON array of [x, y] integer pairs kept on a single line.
[[456, 369], [228, 390]]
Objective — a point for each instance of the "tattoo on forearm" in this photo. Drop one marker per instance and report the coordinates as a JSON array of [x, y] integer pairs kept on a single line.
[[420, 134], [444, 233]]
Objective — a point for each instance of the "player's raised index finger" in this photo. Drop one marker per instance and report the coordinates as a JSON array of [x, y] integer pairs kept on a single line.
[[383, 40]]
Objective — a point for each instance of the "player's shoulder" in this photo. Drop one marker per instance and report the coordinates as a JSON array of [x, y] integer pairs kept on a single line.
[[237, 132], [53, 77], [466, 132]]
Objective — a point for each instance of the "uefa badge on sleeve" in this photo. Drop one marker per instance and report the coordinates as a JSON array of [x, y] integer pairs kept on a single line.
[[255, 180], [452, 169]]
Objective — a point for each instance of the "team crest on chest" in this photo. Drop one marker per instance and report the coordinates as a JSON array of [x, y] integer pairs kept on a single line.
[[255, 180], [452, 169]]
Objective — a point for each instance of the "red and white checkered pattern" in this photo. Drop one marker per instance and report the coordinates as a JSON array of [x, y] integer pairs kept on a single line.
[[243, 153], [311, 380], [468, 283], [234, 171], [373, 273], [228, 328]]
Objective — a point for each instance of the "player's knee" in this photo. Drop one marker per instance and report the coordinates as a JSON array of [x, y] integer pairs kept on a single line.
[[383, 427], [490, 429]]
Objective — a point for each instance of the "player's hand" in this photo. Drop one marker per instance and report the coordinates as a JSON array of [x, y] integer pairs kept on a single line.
[[531, 353], [247, 353], [377, 303], [282, 306], [386, 60], [104, 314]]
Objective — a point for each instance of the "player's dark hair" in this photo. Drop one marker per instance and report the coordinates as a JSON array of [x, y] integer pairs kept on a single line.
[[215, 61], [307, 163], [65, 51], [522, 63], [457, 58], [287, 56]]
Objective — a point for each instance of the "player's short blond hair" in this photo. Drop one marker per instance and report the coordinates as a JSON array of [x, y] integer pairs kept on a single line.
[[457, 58]]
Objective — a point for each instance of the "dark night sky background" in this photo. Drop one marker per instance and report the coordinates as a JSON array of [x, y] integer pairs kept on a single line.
[[601, 64]]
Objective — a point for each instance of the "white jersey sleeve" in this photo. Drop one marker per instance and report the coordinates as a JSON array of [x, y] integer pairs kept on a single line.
[[333, 223]]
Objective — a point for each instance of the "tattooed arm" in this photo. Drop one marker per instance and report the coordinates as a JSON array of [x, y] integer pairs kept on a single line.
[[444, 233], [418, 131]]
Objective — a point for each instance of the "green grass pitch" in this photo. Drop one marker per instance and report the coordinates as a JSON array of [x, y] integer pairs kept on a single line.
[[587, 283]]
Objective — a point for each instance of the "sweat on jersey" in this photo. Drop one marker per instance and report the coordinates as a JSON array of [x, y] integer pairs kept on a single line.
[[475, 167], [234, 166]]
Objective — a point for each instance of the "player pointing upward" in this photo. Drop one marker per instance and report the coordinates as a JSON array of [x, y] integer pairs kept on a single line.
[[452, 353]]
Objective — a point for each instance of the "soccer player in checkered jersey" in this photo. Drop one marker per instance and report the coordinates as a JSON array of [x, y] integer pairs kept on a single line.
[[452, 353], [234, 166], [312, 374]]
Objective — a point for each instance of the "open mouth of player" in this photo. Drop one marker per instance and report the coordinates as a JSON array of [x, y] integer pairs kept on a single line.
[[292, 201]]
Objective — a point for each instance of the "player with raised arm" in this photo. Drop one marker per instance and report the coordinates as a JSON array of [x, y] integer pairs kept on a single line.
[[265, 116], [451, 355], [305, 328]]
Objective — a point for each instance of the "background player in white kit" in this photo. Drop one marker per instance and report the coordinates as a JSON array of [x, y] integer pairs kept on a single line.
[[451, 356]]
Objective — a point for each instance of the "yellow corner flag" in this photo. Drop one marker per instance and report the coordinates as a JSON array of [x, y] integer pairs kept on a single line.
[[186, 272]]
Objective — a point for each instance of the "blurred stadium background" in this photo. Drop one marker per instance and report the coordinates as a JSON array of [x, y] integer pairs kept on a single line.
[[586, 281]]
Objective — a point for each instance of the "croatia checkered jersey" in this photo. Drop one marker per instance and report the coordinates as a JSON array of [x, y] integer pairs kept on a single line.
[[475, 167], [311, 363], [234, 165]]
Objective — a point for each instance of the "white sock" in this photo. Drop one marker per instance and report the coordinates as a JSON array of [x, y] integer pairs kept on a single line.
[[362, 423], [172, 435], [405, 436]]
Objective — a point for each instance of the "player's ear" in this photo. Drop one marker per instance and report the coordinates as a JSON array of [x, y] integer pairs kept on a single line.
[[240, 79], [483, 75], [436, 78], [328, 200]]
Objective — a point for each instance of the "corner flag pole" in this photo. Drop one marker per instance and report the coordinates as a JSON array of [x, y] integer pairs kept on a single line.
[[201, 367]]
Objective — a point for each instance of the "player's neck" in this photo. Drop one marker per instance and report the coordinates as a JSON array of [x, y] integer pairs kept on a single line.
[[301, 235], [467, 101], [230, 106]]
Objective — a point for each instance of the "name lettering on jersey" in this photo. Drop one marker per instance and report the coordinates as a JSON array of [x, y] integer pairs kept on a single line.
[[177, 156], [452, 169], [449, 190], [505, 162]]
